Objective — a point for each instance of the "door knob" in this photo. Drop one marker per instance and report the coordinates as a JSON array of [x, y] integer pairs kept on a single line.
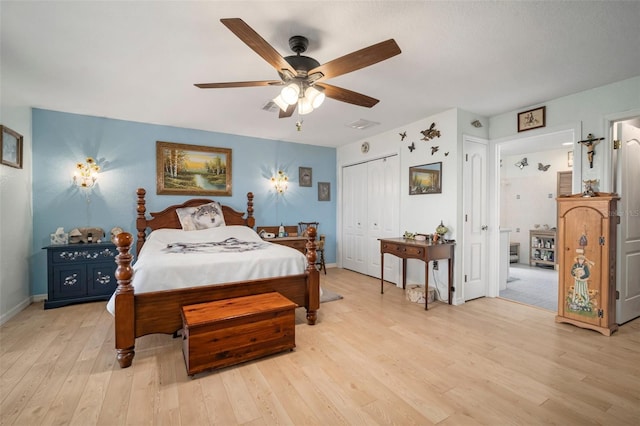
[[484, 227]]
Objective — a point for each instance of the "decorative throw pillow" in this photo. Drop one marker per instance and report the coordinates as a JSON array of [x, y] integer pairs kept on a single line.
[[201, 217]]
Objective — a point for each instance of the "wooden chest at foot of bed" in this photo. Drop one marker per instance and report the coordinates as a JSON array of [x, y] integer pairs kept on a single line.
[[230, 331]]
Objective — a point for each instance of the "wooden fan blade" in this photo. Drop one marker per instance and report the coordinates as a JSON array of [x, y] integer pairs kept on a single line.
[[259, 45], [358, 59], [288, 112], [348, 96], [238, 84]]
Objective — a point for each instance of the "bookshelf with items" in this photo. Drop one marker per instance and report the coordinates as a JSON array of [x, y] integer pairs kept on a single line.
[[542, 248]]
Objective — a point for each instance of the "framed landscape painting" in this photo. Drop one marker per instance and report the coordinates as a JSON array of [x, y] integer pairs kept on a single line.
[[192, 169], [425, 179]]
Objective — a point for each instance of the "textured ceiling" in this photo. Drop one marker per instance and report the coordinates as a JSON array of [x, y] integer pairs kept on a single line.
[[138, 61]]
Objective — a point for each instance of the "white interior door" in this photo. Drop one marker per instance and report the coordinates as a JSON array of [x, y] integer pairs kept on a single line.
[[354, 217], [628, 258], [475, 219]]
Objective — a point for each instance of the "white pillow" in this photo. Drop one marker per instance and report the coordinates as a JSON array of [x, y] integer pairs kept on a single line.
[[201, 217]]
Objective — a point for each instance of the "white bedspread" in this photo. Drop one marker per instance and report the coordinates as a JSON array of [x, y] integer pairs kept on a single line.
[[192, 262]]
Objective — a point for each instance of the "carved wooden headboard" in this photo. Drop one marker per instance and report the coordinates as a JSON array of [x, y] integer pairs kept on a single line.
[[168, 218]]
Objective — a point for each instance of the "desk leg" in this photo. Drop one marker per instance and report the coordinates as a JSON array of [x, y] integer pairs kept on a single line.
[[404, 273], [450, 289], [426, 285], [381, 273]]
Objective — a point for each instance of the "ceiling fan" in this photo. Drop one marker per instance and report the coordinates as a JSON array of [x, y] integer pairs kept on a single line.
[[304, 77]]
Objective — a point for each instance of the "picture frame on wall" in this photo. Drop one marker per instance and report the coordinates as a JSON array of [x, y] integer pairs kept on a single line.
[[425, 179], [11, 153], [324, 191], [305, 176], [183, 169], [532, 119]]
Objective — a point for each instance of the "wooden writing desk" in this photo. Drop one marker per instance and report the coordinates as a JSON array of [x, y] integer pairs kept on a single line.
[[412, 249]]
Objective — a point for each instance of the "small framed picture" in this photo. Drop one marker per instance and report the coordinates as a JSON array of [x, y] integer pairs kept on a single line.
[[11, 141], [531, 119], [570, 159], [304, 176], [324, 191]]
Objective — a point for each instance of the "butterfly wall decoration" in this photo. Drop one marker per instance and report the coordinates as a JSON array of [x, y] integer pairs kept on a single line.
[[522, 163], [412, 146], [543, 167], [402, 135], [434, 149], [430, 133]]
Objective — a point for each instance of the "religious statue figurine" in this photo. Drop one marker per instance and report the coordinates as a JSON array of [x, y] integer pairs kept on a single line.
[[588, 187], [591, 143]]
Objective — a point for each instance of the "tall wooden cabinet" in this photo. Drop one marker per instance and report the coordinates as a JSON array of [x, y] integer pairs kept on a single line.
[[587, 261]]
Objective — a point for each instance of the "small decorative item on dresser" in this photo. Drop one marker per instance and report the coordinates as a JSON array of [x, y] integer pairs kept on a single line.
[[441, 230]]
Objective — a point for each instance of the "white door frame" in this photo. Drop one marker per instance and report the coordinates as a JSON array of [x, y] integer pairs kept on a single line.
[[608, 182], [493, 182]]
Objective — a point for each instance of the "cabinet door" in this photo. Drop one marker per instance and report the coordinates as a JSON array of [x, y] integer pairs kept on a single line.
[[102, 280], [69, 281], [585, 263]]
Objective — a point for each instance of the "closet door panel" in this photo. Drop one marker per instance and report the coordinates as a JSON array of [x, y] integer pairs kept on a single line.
[[354, 217]]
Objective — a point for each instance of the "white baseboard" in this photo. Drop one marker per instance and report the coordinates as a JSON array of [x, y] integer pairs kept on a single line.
[[15, 310]]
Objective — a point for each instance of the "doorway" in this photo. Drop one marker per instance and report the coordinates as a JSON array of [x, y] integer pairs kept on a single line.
[[526, 189]]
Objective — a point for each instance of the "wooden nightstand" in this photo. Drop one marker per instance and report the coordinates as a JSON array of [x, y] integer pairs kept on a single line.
[[298, 243]]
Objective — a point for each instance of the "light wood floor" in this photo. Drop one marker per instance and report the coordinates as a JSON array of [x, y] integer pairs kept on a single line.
[[371, 359]]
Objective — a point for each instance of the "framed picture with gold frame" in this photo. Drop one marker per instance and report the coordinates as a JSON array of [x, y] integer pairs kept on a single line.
[[425, 179], [183, 169], [11, 153]]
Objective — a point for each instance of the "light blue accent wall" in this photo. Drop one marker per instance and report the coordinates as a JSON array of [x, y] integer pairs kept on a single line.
[[126, 152]]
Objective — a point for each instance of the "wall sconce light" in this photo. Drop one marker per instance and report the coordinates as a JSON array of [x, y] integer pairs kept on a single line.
[[86, 174], [280, 182]]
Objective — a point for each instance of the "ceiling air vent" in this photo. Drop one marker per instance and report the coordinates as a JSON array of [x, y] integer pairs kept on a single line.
[[362, 124]]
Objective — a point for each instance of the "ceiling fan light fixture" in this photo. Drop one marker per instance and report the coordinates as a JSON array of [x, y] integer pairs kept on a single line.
[[280, 102], [315, 96], [290, 93], [304, 106]]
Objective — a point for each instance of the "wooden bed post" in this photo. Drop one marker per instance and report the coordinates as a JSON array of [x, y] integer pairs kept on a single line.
[[141, 220], [251, 221], [313, 282], [124, 306]]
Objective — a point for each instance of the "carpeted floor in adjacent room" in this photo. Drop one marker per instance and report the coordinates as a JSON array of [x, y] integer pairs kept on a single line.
[[532, 286]]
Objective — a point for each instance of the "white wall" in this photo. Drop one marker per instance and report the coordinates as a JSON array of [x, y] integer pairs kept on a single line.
[[422, 213], [15, 213], [528, 195], [589, 108]]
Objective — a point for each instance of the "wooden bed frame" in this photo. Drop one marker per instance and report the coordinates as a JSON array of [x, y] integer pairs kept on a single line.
[[137, 315]]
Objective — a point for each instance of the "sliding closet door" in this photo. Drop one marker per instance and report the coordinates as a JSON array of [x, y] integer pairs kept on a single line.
[[354, 217], [370, 207], [383, 210]]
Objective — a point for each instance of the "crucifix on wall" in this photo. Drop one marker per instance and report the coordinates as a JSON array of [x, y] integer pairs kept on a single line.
[[591, 143]]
